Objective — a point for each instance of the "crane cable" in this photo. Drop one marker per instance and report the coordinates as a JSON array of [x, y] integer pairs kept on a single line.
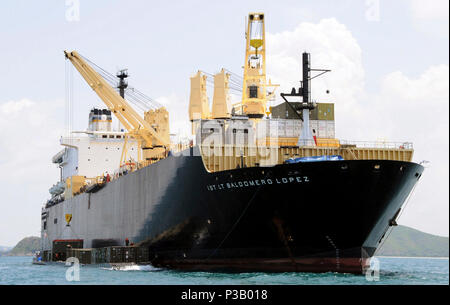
[[69, 99], [133, 95], [234, 85]]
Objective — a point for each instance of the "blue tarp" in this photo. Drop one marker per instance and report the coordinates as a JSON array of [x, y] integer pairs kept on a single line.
[[314, 159]]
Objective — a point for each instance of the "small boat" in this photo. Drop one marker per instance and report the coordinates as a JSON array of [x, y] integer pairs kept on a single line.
[[37, 261]]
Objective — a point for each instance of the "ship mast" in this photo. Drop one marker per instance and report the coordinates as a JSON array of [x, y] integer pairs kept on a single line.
[[123, 84], [306, 138]]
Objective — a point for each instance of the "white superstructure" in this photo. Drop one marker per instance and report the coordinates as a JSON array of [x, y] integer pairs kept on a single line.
[[96, 151]]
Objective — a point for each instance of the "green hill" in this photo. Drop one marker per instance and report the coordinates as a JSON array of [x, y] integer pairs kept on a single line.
[[26, 246], [405, 241]]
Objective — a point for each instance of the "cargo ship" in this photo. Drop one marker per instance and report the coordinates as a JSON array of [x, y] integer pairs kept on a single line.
[[257, 188]]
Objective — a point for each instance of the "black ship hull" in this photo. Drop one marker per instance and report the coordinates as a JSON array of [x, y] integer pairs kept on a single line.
[[314, 217]]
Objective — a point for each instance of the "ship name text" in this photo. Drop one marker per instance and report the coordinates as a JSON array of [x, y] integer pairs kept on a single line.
[[256, 183]]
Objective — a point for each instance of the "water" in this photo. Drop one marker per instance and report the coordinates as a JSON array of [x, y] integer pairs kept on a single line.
[[400, 271]]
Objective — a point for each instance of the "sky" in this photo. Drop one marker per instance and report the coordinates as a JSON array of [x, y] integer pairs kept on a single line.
[[389, 80]]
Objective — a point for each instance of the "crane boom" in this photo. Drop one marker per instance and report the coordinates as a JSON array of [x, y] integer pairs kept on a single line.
[[131, 120]]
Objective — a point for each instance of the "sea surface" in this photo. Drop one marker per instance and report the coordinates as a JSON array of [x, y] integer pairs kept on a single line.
[[392, 271]]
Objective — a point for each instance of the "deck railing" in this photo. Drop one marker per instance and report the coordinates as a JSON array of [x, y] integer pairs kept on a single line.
[[377, 144]]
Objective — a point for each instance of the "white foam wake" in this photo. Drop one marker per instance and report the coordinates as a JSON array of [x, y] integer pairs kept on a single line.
[[133, 268]]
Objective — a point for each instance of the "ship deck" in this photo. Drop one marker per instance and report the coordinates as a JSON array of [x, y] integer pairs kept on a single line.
[[227, 157]]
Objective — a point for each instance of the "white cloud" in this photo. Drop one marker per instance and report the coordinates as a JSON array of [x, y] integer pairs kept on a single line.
[[405, 109]]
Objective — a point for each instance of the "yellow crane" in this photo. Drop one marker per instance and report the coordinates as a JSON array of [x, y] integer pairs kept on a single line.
[[151, 132], [254, 89]]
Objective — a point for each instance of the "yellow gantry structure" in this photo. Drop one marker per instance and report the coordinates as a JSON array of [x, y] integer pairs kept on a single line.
[[254, 89], [153, 143]]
